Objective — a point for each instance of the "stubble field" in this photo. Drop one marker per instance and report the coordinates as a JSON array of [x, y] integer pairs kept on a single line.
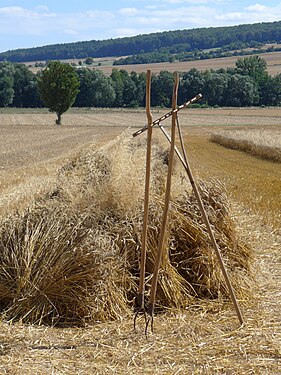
[[196, 341]]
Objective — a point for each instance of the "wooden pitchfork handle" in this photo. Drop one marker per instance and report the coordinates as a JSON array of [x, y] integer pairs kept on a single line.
[[140, 306], [160, 248]]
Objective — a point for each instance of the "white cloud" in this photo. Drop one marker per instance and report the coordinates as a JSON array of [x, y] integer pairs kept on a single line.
[[233, 16], [165, 19], [70, 32], [128, 12], [194, 2], [256, 8], [44, 8], [24, 14], [251, 14], [152, 7], [12, 11], [187, 1], [123, 31], [103, 16], [24, 22]]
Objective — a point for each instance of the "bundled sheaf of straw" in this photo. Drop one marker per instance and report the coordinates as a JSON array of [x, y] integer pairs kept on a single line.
[[74, 255]]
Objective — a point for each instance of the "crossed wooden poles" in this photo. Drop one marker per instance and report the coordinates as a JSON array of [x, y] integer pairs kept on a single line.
[[140, 302]]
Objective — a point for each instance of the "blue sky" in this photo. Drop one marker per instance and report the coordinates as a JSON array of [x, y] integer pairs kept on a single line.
[[31, 23]]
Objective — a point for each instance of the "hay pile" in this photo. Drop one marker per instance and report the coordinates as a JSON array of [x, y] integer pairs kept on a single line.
[[74, 255]]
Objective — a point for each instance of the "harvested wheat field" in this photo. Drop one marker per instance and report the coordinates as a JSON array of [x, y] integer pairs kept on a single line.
[[70, 253]]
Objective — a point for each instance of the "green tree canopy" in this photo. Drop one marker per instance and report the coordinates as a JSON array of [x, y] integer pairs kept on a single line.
[[118, 84], [162, 89], [191, 84], [215, 88], [7, 71], [242, 91], [253, 66], [58, 86], [25, 88], [96, 89]]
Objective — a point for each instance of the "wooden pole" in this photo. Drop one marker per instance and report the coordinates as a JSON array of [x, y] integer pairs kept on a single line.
[[151, 305], [187, 168], [140, 298]]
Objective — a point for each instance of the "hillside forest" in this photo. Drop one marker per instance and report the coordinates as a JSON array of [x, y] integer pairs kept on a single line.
[[247, 84], [181, 45]]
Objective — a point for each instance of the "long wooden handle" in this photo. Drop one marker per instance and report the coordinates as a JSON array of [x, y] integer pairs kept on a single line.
[[157, 264], [146, 193]]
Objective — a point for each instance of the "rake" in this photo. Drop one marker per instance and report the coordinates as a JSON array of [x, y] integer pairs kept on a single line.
[[185, 163]]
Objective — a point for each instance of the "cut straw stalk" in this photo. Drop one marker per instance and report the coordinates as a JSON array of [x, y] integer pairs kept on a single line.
[[151, 305]]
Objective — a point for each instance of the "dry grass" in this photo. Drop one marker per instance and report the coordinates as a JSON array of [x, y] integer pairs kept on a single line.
[[263, 143]]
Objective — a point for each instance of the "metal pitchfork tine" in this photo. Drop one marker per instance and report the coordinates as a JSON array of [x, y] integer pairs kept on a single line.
[[140, 298], [151, 305]]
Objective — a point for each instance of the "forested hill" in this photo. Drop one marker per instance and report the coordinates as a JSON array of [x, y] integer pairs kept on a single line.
[[172, 42]]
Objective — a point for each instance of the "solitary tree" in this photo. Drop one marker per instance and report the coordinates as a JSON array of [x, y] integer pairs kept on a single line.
[[58, 86]]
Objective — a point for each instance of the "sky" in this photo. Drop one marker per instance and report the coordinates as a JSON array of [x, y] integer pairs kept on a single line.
[[32, 23]]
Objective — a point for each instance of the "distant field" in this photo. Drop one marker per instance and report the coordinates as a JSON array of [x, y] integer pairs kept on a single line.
[[273, 60]]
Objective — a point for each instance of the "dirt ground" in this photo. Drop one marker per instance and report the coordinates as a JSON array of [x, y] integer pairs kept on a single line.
[[200, 340]]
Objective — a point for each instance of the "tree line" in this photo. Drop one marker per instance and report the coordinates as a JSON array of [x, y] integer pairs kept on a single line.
[[167, 42], [247, 84]]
